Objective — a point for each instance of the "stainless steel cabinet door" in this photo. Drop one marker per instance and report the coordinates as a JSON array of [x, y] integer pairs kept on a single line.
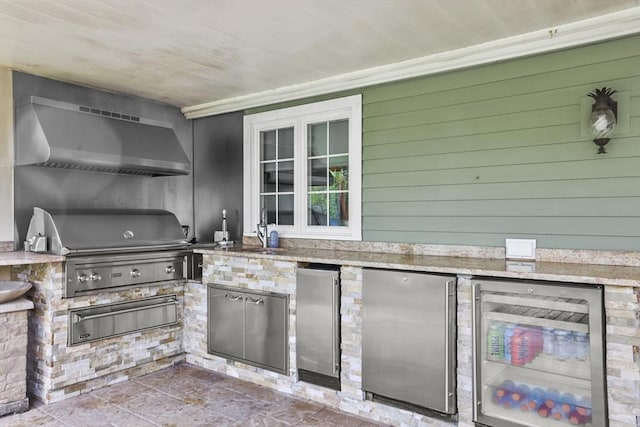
[[317, 334], [407, 337], [266, 330], [226, 322]]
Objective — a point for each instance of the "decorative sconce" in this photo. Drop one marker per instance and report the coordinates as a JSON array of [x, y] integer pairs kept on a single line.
[[604, 114]]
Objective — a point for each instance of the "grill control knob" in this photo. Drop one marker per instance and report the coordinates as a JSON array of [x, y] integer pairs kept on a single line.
[[135, 273], [83, 278], [95, 277], [170, 269]]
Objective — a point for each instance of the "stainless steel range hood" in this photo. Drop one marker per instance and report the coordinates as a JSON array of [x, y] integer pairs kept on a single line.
[[58, 134]]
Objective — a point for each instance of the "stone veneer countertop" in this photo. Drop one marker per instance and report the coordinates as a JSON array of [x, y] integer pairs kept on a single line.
[[19, 304], [551, 271], [21, 258]]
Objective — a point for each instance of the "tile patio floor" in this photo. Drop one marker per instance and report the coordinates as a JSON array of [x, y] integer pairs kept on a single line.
[[184, 395]]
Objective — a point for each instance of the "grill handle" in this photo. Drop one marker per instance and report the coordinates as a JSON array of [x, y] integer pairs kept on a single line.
[[80, 317]]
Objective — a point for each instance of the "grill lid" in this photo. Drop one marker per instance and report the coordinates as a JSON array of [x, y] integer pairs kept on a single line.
[[71, 231]]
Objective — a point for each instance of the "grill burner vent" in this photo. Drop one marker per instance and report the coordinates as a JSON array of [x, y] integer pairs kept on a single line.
[[106, 169]]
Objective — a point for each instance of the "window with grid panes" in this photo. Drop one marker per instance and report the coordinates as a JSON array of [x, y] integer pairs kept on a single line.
[[303, 170]]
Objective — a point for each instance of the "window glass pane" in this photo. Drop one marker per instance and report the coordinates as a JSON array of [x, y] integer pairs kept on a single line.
[[339, 137], [317, 209], [317, 135], [268, 173], [285, 176], [339, 209], [317, 175], [339, 173], [269, 203], [285, 209], [268, 145], [285, 143]]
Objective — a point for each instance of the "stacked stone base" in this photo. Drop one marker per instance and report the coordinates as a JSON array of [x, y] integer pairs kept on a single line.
[[280, 276], [13, 356], [14, 407]]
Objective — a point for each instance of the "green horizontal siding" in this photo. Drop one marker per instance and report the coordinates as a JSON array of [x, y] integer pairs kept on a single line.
[[475, 156], [608, 187], [565, 207], [536, 69]]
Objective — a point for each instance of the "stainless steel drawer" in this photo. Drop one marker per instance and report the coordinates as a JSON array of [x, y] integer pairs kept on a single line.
[[102, 321]]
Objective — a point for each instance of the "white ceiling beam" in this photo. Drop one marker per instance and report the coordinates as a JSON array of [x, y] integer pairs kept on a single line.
[[601, 28]]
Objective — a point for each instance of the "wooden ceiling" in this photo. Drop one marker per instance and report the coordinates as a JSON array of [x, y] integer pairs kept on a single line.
[[192, 52]]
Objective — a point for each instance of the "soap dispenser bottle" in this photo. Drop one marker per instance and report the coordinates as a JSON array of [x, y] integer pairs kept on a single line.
[[273, 238]]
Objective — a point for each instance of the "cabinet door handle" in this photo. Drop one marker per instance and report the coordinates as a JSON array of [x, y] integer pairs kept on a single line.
[[255, 301], [335, 333], [233, 297]]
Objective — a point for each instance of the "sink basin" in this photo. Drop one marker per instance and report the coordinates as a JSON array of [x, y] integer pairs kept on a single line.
[[12, 290]]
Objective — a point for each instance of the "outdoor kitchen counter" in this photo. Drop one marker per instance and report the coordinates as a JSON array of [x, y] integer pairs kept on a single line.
[[551, 271], [22, 258]]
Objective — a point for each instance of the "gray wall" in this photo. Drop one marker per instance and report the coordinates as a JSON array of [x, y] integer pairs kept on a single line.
[[218, 175], [58, 188]]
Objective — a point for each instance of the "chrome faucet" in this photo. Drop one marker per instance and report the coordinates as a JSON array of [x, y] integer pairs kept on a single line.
[[262, 228]]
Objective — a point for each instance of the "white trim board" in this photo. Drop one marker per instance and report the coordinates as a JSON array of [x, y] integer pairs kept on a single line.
[[601, 28]]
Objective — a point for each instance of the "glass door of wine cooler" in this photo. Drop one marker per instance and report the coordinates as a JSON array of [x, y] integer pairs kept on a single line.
[[538, 351]]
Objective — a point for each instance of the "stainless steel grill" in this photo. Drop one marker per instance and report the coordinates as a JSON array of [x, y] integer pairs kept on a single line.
[[111, 248]]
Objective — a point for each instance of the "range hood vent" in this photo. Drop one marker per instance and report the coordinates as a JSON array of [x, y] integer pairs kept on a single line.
[[62, 135]]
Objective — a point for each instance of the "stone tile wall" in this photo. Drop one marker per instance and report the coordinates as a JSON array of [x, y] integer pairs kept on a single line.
[[464, 377], [245, 273], [13, 362], [277, 276], [622, 306], [622, 310], [57, 371]]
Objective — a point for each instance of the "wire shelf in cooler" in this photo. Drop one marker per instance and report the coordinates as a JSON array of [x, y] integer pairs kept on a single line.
[[545, 364], [563, 383], [579, 325], [546, 302], [528, 419]]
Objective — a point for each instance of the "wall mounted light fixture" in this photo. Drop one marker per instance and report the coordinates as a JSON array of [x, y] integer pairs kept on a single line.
[[604, 114]]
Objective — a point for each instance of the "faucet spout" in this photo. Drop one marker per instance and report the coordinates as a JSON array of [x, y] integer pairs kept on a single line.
[[262, 228]]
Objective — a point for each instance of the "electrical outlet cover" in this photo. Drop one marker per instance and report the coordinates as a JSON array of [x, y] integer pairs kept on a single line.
[[520, 249]]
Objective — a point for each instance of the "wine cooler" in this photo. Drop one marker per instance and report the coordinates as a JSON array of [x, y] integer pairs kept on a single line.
[[539, 354]]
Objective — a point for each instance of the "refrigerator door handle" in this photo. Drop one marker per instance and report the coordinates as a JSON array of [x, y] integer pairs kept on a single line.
[[334, 325], [475, 309]]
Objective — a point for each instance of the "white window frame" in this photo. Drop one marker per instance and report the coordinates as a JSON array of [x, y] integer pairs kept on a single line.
[[299, 117]]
